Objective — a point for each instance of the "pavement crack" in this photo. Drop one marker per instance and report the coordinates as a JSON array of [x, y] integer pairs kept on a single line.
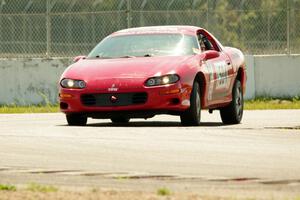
[[238, 179], [52, 171], [280, 182], [105, 174], [157, 177], [285, 128], [5, 169]]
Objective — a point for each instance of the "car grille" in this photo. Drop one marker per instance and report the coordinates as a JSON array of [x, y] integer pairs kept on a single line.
[[121, 99]]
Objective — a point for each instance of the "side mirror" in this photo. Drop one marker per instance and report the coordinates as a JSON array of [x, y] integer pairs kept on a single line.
[[77, 58], [210, 54]]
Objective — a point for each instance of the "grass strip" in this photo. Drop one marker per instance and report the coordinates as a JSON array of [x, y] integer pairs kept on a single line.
[[272, 104], [255, 104], [4, 187], [13, 109], [34, 187], [163, 192]]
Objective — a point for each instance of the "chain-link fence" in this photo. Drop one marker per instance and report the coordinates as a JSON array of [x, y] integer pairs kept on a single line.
[[65, 28]]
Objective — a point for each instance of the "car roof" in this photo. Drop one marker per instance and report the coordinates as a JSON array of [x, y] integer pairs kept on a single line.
[[190, 30]]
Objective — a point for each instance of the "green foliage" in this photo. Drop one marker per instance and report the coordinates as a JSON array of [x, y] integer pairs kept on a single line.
[[254, 26], [254, 104], [34, 187], [163, 191], [263, 103], [11, 109], [7, 187], [296, 98]]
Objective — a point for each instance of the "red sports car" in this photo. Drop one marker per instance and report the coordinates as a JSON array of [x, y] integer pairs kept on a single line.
[[142, 72]]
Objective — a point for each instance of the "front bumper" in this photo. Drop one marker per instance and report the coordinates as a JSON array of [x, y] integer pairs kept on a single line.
[[160, 99]]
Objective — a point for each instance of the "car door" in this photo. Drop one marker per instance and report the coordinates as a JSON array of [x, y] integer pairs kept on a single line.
[[219, 70], [223, 71]]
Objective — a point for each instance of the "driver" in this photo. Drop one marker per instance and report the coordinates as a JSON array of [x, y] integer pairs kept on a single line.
[[204, 43]]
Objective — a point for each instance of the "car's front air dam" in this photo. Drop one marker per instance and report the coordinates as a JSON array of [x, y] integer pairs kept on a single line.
[[160, 98]]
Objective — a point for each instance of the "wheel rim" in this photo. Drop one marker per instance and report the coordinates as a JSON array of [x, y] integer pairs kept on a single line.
[[239, 101]]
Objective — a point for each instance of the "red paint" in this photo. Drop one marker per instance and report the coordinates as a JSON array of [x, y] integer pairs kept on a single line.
[[128, 75]]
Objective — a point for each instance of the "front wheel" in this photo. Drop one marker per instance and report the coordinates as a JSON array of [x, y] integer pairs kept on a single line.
[[192, 116], [76, 119], [233, 113]]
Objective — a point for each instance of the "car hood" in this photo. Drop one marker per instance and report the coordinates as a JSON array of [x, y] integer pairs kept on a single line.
[[124, 73], [140, 67]]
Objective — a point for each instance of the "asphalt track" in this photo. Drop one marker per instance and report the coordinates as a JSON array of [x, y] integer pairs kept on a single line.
[[263, 150]]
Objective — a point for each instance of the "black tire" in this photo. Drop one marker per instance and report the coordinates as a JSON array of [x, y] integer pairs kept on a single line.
[[192, 116], [120, 120], [233, 113], [76, 119]]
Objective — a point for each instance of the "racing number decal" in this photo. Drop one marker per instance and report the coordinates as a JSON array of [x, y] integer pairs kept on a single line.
[[211, 72], [222, 74], [221, 81]]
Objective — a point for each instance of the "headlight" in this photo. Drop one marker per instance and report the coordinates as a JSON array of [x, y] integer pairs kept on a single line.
[[70, 83], [162, 80]]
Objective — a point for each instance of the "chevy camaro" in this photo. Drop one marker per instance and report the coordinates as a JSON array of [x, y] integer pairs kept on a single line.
[[142, 72]]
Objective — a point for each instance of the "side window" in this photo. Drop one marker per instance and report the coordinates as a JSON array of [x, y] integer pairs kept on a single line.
[[205, 43]]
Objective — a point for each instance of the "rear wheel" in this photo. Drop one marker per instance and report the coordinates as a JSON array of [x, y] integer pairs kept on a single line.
[[76, 119], [120, 120], [233, 113], [192, 116]]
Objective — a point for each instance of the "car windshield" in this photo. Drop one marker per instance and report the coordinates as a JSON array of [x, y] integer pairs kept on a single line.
[[145, 46]]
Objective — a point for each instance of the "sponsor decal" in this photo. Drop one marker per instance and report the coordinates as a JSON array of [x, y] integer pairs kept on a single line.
[[218, 76], [222, 75], [211, 72], [150, 30], [113, 88]]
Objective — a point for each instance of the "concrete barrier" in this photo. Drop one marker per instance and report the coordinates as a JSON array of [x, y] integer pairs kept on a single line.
[[277, 75], [34, 81], [250, 84], [30, 81]]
